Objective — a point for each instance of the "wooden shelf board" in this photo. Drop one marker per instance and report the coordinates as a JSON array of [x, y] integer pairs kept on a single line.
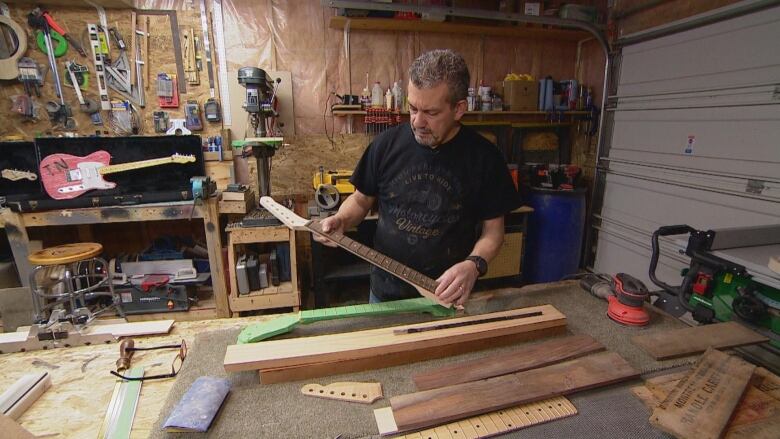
[[255, 235], [386, 24], [271, 297], [282, 288], [340, 113]]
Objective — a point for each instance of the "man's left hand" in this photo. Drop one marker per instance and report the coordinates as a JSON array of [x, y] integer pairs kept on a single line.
[[456, 283]]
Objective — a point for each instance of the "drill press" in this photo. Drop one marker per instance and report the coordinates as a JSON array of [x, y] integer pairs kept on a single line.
[[264, 139]]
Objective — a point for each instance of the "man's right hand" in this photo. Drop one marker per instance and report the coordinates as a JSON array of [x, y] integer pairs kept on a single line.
[[330, 224]]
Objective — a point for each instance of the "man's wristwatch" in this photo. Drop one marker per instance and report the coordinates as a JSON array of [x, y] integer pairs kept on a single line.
[[480, 262]]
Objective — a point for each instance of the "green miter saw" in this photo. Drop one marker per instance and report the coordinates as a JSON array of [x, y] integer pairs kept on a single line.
[[731, 275]]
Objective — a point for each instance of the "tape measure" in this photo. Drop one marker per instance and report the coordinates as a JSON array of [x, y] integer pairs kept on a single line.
[[57, 40]]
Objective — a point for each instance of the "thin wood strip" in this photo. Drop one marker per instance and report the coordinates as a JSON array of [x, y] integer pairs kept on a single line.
[[510, 419], [308, 371], [362, 344], [695, 340], [524, 358], [431, 407]]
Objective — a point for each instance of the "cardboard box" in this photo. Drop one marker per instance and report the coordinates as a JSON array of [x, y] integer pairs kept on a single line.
[[521, 95]]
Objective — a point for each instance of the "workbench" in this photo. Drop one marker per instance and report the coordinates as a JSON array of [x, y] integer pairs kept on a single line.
[[81, 390], [16, 225], [82, 385]]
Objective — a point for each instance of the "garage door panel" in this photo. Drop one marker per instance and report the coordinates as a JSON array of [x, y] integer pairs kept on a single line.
[[650, 205], [710, 57], [713, 139], [745, 169], [630, 257]]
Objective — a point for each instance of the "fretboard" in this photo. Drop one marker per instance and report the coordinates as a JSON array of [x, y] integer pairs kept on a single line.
[[374, 257], [134, 165]]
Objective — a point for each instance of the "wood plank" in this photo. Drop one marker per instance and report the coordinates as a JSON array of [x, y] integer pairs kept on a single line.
[[179, 210], [701, 405], [130, 329], [768, 382], [115, 329], [695, 340], [524, 358], [307, 371], [216, 264], [384, 24], [23, 393], [9, 427], [437, 406], [756, 416], [362, 344]]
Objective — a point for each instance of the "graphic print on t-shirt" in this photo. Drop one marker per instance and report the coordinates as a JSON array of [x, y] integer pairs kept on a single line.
[[424, 200]]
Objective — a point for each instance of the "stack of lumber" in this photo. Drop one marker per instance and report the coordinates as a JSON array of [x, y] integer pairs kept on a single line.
[[722, 396], [498, 382], [310, 357]]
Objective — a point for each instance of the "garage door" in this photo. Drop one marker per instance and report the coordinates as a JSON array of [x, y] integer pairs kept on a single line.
[[693, 137]]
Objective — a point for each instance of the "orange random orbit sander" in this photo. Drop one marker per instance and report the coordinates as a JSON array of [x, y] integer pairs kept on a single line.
[[626, 306]]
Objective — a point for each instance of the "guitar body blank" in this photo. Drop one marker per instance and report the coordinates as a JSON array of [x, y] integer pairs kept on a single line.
[[66, 176]]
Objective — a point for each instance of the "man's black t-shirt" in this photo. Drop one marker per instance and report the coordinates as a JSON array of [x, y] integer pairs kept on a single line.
[[430, 200]]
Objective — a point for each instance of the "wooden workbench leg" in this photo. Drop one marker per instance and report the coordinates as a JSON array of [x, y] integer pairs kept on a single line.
[[214, 244], [20, 243]]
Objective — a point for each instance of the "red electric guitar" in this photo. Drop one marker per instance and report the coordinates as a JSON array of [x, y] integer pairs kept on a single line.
[[66, 176]]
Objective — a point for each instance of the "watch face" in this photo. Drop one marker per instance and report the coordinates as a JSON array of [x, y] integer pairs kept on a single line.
[[481, 264]]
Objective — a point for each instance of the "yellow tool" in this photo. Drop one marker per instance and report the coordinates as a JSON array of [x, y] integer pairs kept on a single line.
[[331, 186]]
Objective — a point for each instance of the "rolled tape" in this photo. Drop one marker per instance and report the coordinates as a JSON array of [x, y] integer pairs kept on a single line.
[[8, 66]]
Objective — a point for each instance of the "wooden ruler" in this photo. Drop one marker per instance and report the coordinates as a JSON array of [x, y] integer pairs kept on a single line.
[[487, 425], [424, 284], [364, 393], [219, 43]]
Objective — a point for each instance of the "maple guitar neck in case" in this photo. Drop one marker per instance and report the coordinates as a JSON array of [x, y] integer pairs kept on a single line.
[[424, 284], [66, 176], [16, 175]]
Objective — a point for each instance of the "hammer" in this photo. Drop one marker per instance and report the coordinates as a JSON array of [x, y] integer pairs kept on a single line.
[[125, 354]]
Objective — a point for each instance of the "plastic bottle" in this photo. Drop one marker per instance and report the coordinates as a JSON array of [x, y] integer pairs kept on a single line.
[[365, 98], [388, 100], [398, 97], [471, 100], [376, 95]]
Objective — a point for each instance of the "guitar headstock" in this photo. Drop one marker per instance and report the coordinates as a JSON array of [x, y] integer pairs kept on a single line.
[[181, 158], [15, 175], [283, 214]]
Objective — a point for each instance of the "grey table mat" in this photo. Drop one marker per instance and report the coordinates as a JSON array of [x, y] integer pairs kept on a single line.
[[281, 411]]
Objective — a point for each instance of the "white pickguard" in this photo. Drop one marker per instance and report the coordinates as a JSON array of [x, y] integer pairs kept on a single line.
[[88, 177]]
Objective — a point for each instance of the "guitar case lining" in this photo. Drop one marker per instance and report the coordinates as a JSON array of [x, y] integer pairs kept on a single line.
[[168, 182]]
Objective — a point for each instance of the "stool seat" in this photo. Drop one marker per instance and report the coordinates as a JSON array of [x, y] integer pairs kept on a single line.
[[66, 253]]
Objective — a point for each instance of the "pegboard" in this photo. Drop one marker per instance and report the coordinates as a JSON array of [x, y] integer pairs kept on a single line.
[[159, 59]]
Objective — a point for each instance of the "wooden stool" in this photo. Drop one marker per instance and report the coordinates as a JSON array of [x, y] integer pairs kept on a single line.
[[85, 276]]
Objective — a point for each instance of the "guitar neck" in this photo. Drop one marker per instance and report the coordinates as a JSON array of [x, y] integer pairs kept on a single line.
[[111, 169], [372, 256]]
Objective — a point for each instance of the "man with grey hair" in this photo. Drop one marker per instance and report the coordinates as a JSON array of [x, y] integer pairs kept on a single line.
[[442, 190]]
